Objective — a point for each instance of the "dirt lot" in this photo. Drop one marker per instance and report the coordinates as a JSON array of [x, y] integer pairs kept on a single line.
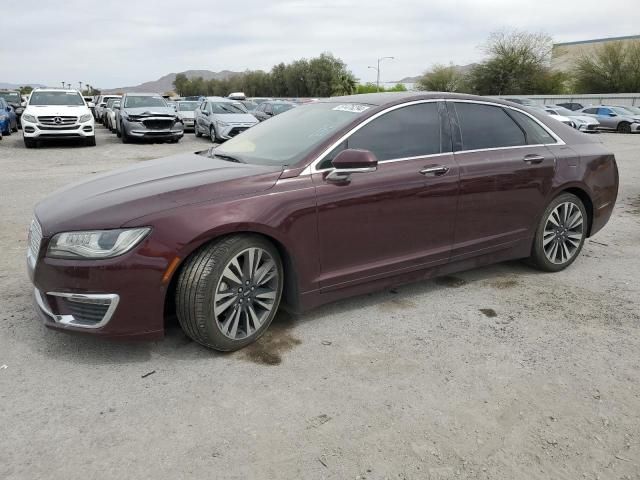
[[495, 373]]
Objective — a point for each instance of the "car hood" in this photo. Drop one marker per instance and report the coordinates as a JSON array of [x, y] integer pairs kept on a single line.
[[584, 119], [150, 111], [236, 118], [116, 198], [57, 110]]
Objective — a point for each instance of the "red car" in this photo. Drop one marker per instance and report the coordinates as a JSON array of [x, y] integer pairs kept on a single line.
[[328, 200]]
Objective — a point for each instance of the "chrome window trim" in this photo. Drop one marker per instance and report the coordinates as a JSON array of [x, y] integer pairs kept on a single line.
[[69, 320], [312, 167]]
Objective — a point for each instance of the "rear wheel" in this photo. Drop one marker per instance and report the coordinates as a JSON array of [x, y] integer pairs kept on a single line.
[[561, 233], [624, 127], [229, 291]]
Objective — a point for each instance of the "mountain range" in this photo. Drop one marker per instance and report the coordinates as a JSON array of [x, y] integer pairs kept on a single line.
[[165, 83]]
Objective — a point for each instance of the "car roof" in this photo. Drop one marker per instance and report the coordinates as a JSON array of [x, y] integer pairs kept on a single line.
[[393, 98], [222, 99]]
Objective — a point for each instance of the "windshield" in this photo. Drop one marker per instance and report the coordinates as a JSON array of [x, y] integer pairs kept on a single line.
[[56, 98], [144, 101], [111, 101], [227, 107], [281, 107], [286, 138], [621, 111], [187, 106], [11, 97], [634, 110]]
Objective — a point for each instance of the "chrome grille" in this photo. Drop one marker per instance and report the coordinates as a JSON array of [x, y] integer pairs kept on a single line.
[[35, 238], [54, 120]]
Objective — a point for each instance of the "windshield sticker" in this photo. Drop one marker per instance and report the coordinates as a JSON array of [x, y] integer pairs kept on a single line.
[[351, 107]]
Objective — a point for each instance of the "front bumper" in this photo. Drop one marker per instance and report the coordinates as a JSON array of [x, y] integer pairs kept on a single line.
[[122, 297], [140, 130], [589, 127], [77, 130], [635, 127], [231, 130]]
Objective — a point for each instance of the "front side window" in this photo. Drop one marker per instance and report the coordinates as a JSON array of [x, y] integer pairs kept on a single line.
[[56, 98], [487, 126], [604, 111], [281, 107], [590, 110], [411, 131], [141, 101]]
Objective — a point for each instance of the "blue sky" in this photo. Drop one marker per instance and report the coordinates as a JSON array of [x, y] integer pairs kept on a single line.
[[118, 43]]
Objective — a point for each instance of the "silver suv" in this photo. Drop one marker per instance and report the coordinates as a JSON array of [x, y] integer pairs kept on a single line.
[[147, 115]]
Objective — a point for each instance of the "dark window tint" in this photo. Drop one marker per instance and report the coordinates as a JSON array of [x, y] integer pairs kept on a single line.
[[406, 132], [486, 126], [590, 110], [536, 135]]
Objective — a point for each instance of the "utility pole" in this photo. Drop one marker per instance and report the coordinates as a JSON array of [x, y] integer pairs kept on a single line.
[[62, 84], [80, 85], [377, 69]]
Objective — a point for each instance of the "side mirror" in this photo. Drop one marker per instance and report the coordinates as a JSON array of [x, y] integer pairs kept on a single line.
[[351, 161], [613, 114]]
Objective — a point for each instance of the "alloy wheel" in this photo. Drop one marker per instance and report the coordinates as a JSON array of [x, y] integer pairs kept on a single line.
[[212, 134], [563, 233], [246, 293]]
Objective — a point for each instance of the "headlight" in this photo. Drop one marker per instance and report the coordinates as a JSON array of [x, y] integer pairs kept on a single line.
[[95, 244], [29, 118], [85, 118], [223, 124]]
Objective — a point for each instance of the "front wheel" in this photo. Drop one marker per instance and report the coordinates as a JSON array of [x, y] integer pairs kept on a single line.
[[624, 127], [561, 234], [196, 130], [123, 134], [90, 141], [229, 291], [212, 134]]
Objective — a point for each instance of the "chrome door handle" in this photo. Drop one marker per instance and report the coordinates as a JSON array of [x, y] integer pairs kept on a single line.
[[533, 158], [434, 171]]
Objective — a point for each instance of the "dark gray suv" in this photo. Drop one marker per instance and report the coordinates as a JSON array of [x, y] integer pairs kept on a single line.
[[147, 115]]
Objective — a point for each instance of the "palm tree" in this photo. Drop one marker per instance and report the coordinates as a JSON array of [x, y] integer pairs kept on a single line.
[[344, 85]]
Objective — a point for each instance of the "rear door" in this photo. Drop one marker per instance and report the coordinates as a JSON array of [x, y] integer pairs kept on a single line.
[[506, 173], [399, 218]]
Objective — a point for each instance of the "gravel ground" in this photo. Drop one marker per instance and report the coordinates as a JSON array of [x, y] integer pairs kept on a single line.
[[496, 373]]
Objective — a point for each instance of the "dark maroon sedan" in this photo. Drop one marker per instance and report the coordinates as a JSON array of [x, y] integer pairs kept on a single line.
[[328, 200]]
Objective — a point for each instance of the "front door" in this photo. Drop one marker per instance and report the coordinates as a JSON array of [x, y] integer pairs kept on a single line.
[[399, 218]]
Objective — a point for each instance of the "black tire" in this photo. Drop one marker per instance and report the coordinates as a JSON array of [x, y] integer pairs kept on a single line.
[[123, 134], [196, 288], [196, 130], [90, 141], [29, 143], [624, 127], [545, 236], [118, 134], [213, 135], [15, 129]]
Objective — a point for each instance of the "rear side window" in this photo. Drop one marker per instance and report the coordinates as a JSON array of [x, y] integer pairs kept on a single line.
[[411, 131], [486, 126], [536, 135], [590, 110]]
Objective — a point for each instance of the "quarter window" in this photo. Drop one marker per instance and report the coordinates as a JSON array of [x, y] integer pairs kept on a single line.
[[536, 135], [486, 126]]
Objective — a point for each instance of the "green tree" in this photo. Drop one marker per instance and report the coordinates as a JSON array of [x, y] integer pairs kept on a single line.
[[26, 90], [612, 68], [517, 64], [181, 84], [442, 78]]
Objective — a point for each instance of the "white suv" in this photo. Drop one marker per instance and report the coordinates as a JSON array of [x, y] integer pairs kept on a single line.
[[57, 113]]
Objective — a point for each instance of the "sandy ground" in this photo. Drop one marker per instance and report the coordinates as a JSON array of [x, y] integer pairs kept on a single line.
[[496, 373]]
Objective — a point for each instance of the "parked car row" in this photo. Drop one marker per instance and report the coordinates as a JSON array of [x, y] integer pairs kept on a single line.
[[590, 118]]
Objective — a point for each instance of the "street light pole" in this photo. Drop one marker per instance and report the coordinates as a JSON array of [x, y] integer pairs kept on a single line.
[[80, 84], [377, 69]]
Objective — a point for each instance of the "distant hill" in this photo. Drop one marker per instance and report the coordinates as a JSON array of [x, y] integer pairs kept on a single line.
[[463, 69], [15, 86], [165, 83]]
